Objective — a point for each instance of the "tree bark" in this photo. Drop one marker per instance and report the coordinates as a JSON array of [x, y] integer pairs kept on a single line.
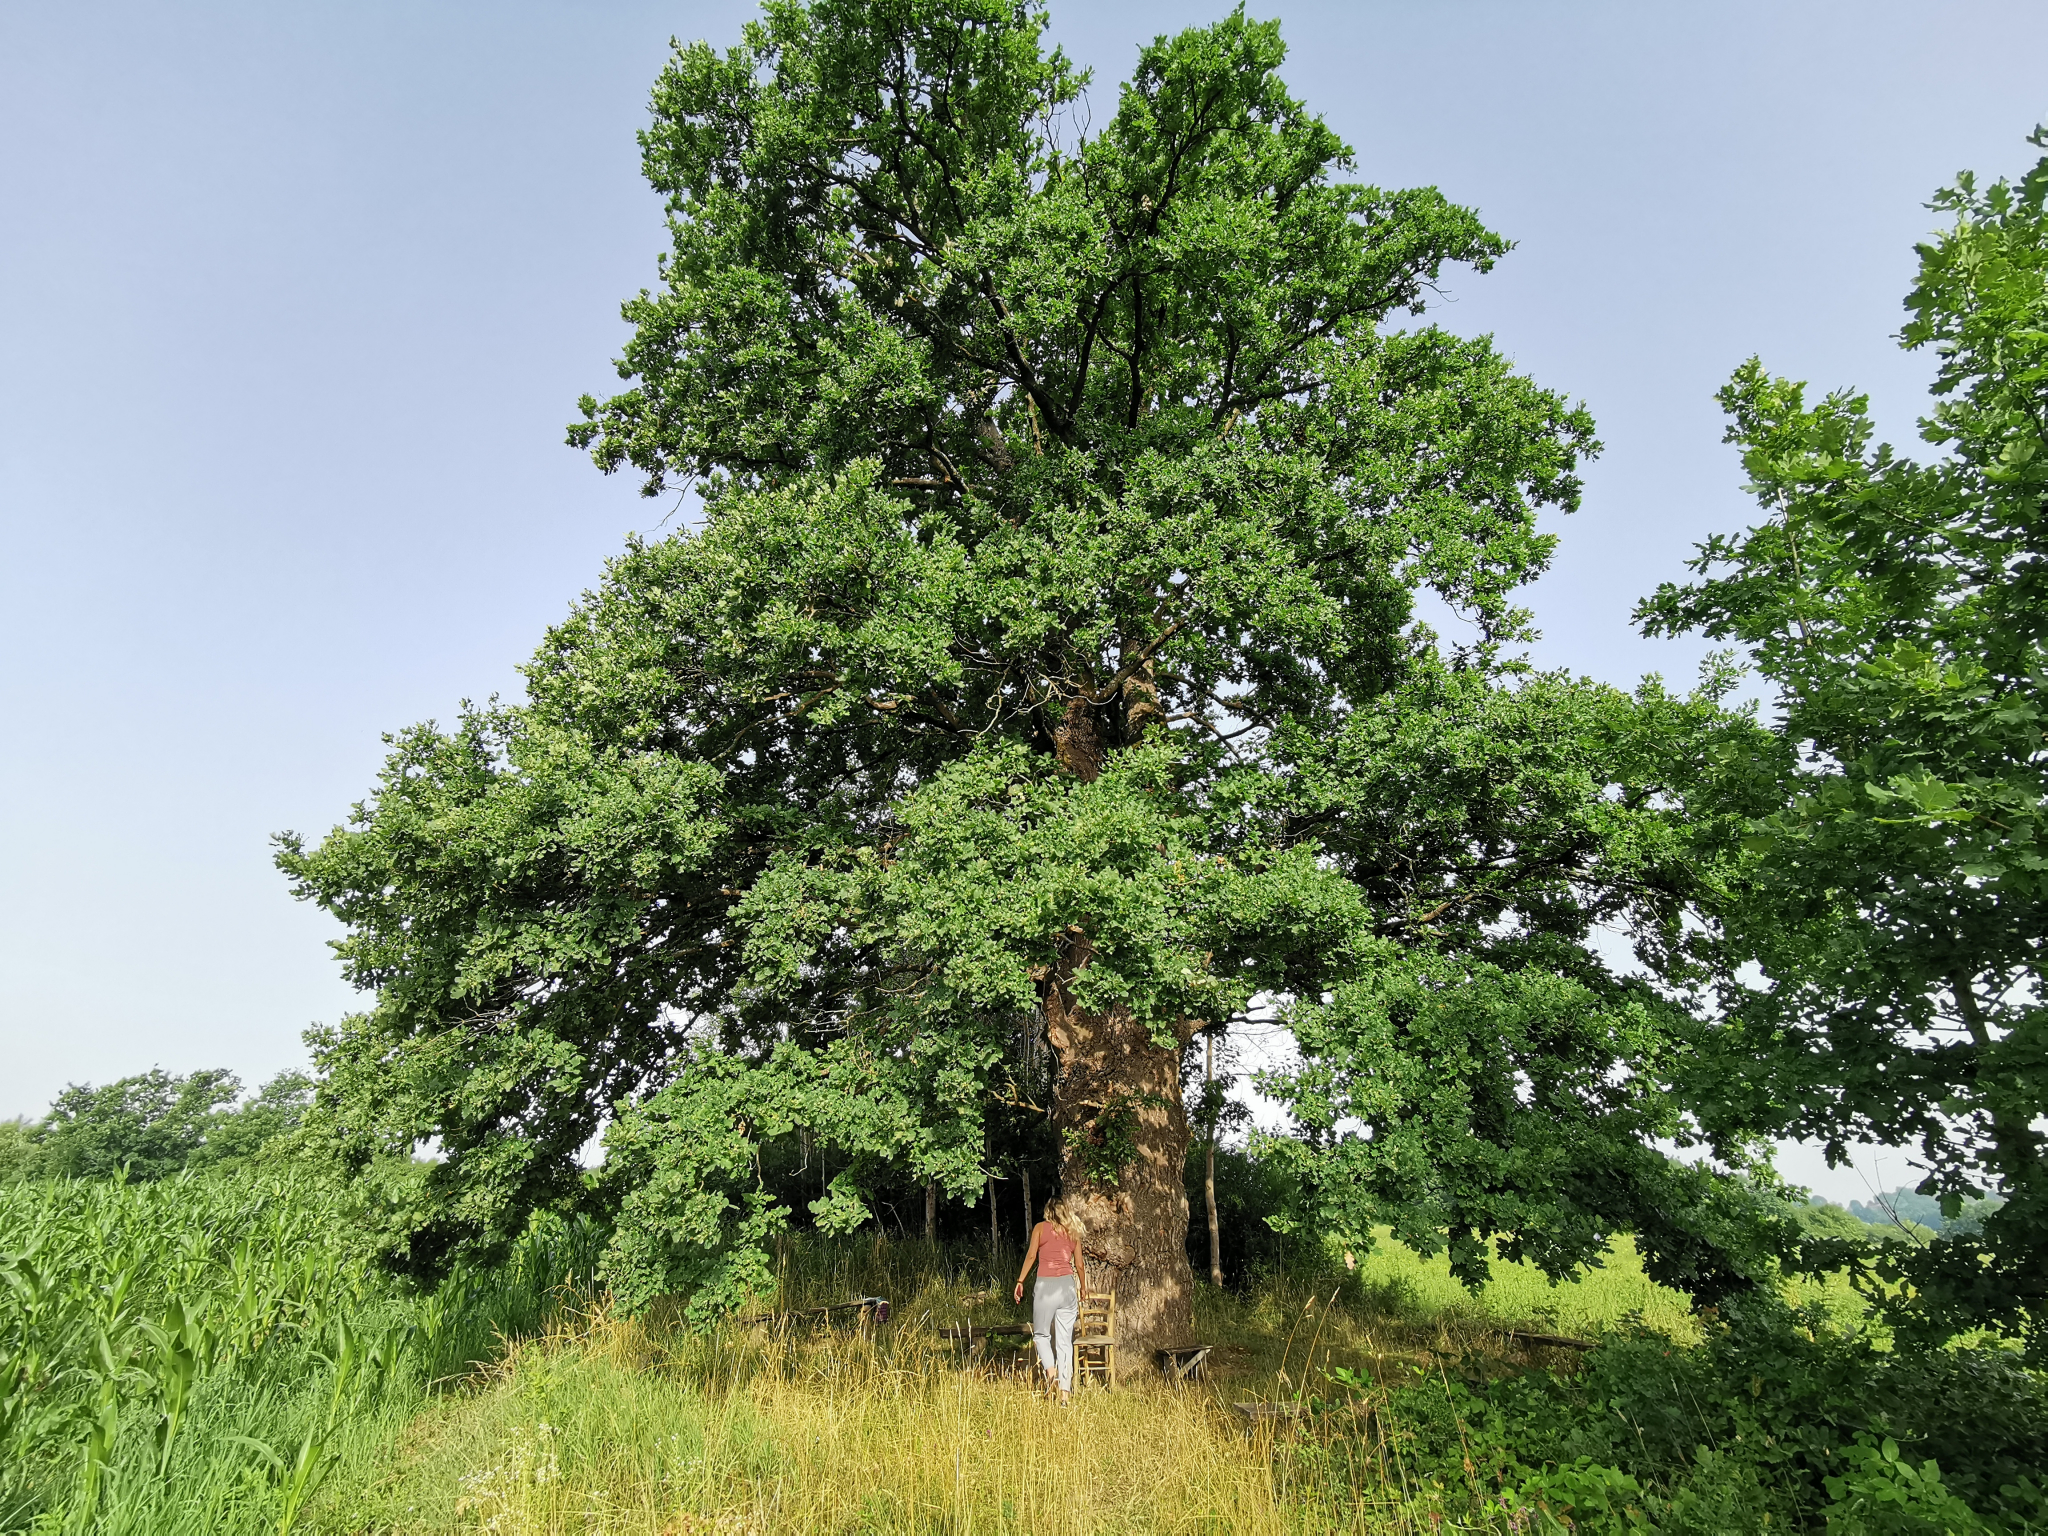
[[1030, 1216], [931, 1211], [1133, 1217], [1077, 742]]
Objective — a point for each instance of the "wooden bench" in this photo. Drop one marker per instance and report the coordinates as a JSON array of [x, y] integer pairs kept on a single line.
[[970, 1339], [1270, 1413], [1182, 1362], [860, 1306]]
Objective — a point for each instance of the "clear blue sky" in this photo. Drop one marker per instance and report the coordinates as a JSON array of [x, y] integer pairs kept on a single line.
[[295, 301]]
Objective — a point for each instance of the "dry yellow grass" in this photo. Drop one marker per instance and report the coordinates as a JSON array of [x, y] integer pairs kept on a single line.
[[617, 1429], [635, 1426]]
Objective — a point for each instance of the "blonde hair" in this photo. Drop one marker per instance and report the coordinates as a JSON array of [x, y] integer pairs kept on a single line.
[[1059, 1213]]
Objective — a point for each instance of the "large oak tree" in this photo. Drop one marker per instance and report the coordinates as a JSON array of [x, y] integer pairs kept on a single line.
[[1046, 668]]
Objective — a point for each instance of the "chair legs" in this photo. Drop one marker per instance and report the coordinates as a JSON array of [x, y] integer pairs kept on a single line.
[[1097, 1360]]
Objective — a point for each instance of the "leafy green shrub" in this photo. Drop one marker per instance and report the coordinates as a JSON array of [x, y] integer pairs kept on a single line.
[[1880, 1493], [1583, 1497], [1775, 1414], [21, 1155], [1248, 1190], [150, 1124], [1818, 1219]]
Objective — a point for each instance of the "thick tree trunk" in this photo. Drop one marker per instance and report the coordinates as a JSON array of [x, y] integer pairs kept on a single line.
[[1118, 1091]]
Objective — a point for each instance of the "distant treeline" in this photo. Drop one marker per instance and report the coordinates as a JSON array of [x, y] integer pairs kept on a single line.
[[158, 1123], [1899, 1210], [152, 1125], [155, 1124]]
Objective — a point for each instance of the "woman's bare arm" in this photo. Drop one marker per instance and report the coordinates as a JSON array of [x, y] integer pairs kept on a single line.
[[1080, 1272], [1030, 1258]]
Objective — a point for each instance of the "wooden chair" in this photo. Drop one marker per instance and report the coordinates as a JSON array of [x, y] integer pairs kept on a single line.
[[1095, 1339]]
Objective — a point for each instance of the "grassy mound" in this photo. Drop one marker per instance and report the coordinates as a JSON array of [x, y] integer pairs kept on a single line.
[[620, 1425]]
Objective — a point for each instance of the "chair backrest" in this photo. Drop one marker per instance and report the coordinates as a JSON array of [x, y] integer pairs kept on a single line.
[[1096, 1315]]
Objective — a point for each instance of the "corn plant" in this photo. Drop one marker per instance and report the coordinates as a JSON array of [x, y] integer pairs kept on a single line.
[[197, 1353]]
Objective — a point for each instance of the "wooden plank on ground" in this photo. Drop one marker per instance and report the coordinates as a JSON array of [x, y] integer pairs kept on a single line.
[[1550, 1340]]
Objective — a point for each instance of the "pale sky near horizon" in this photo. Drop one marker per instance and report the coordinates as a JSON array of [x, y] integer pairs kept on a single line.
[[295, 301]]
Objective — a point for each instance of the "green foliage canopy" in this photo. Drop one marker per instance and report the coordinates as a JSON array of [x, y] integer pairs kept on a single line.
[[1894, 900], [1051, 629]]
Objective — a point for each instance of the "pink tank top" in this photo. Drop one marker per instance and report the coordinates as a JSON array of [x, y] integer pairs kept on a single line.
[[1055, 1253]]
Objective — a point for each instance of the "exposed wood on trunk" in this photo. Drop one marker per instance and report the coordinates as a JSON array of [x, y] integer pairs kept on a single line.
[[1142, 709], [1549, 1340], [994, 447], [1077, 741]]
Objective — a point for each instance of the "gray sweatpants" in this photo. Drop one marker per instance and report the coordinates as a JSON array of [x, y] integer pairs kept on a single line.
[[1053, 1304]]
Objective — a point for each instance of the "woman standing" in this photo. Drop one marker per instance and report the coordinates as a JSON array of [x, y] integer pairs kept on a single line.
[[1062, 1282]]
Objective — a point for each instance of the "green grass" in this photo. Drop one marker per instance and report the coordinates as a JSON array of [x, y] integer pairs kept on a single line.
[[1393, 1401], [1393, 1280]]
